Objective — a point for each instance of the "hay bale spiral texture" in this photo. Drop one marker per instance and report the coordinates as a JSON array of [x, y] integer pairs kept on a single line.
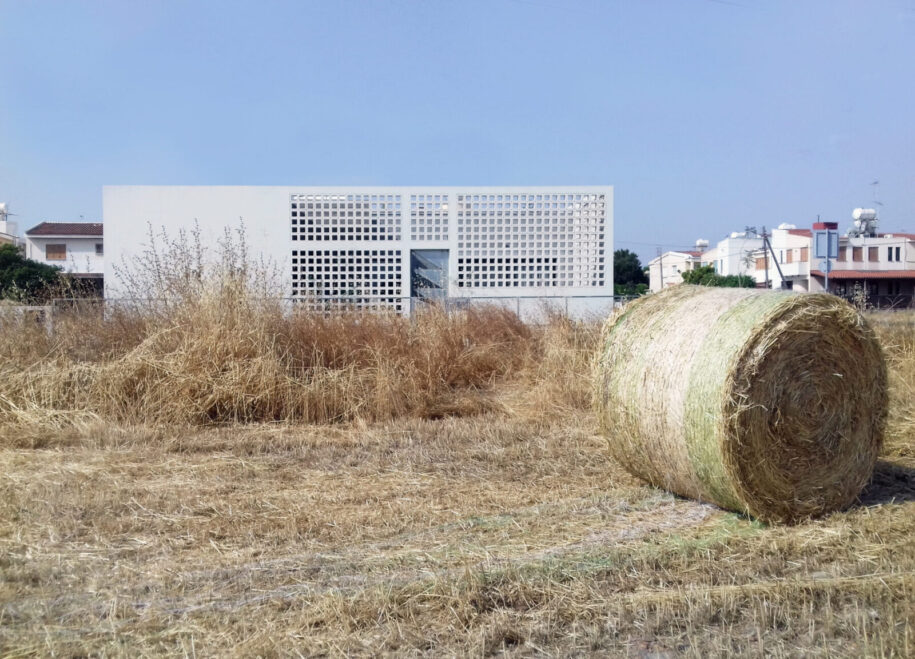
[[769, 403]]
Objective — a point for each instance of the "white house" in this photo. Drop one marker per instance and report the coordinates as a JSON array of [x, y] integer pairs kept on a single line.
[[668, 268], [386, 247], [76, 247], [788, 259], [734, 255]]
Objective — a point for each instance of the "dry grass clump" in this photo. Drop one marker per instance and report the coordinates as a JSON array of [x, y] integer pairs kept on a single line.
[[226, 357], [896, 331], [211, 342], [768, 403]]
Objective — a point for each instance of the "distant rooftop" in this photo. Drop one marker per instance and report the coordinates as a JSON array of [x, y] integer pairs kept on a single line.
[[66, 229]]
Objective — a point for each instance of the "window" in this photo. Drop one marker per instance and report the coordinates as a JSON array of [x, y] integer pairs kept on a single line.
[[842, 251], [889, 253], [897, 254], [55, 252], [804, 254], [857, 254], [872, 254], [99, 249]]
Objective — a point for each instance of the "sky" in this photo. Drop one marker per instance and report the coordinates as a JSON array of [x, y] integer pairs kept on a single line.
[[706, 116]]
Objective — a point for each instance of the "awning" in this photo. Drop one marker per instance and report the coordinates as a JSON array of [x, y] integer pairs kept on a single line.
[[866, 274]]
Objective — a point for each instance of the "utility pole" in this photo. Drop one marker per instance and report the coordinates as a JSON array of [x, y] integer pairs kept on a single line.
[[781, 275], [765, 238], [661, 263]]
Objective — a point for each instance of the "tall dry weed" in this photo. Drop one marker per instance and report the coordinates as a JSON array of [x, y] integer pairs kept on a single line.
[[213, 342], [896, 331]]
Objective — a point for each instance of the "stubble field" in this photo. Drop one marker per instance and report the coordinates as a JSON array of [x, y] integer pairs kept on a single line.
[[224, 480]]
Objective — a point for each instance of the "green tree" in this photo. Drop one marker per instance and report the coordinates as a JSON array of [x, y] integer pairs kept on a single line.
[[705, 275], [627, 269], [23, 279]]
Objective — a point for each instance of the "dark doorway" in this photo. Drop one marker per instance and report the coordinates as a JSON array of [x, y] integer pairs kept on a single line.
[[429, 273]]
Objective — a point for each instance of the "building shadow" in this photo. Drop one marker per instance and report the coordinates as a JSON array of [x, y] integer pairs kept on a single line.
[[891, 483]]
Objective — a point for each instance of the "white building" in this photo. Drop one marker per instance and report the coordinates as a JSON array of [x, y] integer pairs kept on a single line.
[[8, 230], [75, 247], [8, 234], [380, 247], [668, 268], [880, 266], [787, 265], [734, 255]]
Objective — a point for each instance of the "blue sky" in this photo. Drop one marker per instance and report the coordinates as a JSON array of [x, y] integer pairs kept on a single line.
[[706, 115]]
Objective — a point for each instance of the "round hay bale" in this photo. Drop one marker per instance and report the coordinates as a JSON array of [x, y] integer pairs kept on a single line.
[[768, 403]]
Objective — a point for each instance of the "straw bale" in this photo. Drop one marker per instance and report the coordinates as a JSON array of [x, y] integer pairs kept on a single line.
[[767, 403]]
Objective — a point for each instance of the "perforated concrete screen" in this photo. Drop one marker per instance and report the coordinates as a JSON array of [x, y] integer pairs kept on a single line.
[[429, 217], [490, 241], [531, 240], [325, 217], [357, 278]]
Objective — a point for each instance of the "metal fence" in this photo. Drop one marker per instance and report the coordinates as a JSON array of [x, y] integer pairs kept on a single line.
[[528, 308]]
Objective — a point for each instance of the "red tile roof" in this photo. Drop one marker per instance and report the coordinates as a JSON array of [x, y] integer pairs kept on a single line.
[[801, 232], [866, 274], [66, 229]]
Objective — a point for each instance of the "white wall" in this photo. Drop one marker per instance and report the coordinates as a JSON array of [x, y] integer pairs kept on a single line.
[[128, 211], [731, 255], [81, 256], [675, 263]]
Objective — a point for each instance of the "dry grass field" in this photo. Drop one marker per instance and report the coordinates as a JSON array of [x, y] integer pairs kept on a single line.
[[218, 479]]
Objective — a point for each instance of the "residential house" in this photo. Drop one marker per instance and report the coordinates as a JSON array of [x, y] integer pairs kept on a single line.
[[734, 255], [76, 247], [880, 266], [787, 264], [668, 268]]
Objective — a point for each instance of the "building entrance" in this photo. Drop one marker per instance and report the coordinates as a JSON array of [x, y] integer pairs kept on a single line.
[[429, 273]]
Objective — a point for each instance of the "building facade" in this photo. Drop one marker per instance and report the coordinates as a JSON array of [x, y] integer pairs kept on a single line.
[[787, 265], [75, 247], [733, 254], [386, 247], [878, 269], [668, 268], [8, 230], [8, 233]]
